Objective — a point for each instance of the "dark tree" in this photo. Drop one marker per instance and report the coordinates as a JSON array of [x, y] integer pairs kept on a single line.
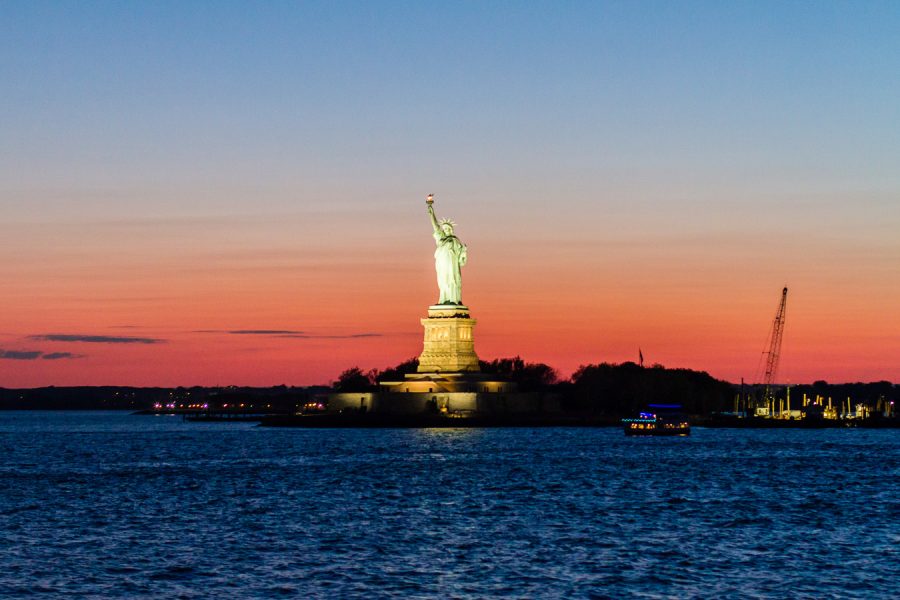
[[627, 388], [530, 377], [354, 380], [396, 373]]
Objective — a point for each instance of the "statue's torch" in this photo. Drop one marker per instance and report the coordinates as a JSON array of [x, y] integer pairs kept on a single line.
[[429, 200]]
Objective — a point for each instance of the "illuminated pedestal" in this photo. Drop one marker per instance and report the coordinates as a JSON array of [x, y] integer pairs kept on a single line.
[[449, 344], [448, 380]]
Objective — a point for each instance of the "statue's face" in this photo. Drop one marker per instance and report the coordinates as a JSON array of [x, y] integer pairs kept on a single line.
[[447, 229]]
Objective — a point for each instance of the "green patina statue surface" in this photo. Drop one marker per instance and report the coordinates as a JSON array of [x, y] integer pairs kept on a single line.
[[449, 258]]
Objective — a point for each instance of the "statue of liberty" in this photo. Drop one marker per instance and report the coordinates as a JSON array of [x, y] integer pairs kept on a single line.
[[449, 257]]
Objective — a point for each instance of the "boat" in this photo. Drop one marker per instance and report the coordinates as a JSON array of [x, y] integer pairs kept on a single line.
[[659, 419]]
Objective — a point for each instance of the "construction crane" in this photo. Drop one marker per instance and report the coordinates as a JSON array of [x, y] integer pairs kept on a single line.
[[773, 353]]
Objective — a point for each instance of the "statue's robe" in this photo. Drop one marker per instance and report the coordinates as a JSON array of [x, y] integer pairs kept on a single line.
[[449, 257]]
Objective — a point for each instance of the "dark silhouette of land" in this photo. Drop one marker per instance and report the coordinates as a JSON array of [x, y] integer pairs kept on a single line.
[[621, 389], [595, 394], [277, 399]]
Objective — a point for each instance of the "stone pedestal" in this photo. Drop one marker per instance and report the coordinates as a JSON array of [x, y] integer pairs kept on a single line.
[[449, 345]]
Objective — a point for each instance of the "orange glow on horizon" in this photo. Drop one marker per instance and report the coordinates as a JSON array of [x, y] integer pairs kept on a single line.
[[689, 304]]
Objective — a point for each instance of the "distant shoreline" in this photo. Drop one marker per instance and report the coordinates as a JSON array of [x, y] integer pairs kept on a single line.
[[600, 398], [381, 421]]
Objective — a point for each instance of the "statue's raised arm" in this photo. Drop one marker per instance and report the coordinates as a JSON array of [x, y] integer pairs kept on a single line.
[[449, 257], [429, 201]]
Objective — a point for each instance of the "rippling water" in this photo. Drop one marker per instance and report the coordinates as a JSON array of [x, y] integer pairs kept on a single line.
[[114, 505]]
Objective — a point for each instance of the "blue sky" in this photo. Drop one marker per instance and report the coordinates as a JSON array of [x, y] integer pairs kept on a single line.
[[195, 89]]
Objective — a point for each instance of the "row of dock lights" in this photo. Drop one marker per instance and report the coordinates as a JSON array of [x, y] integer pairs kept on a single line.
[[205, 406], [817, 406]]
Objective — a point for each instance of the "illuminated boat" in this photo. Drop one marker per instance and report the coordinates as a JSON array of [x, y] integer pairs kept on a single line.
[[661, 419]]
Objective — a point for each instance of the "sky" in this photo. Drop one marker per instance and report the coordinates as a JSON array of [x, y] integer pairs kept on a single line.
[[232, 193]]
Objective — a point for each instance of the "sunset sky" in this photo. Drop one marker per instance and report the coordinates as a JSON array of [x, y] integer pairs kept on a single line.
[[213, 193]]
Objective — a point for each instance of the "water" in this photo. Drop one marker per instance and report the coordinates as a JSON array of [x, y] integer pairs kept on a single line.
[[114, 505]]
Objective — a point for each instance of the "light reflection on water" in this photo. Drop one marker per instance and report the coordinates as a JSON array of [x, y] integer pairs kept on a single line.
[[116, 505]]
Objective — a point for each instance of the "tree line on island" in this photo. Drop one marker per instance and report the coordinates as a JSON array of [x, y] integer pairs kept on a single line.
[[624, 388], [601, 389]]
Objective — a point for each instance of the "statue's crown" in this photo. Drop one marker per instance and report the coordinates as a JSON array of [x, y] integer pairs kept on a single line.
[[447, 222]]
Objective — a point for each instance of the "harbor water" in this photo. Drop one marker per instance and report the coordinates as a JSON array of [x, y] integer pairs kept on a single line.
[[108, 504]]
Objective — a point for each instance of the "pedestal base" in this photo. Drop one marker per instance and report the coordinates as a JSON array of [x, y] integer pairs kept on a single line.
[[449, 345]]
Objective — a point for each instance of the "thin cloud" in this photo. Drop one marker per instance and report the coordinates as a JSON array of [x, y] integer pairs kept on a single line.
[[95, 339], [61, 355], [306, 336], [272, 332], [20, 354], [289, 334], [279, 332]]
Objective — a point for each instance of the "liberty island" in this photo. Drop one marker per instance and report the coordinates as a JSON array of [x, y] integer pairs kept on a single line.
[[448, 381]]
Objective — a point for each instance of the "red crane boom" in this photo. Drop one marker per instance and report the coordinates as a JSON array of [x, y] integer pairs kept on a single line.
[[774, 349]]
